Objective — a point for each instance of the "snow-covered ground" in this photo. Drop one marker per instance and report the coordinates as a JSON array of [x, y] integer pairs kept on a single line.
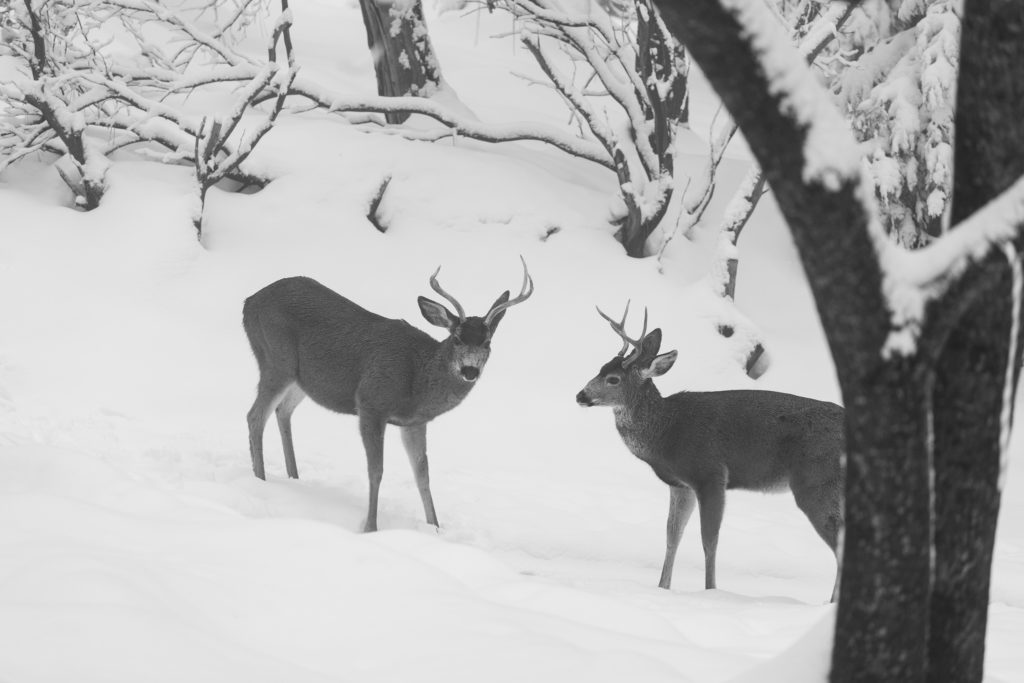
[[135, 544]]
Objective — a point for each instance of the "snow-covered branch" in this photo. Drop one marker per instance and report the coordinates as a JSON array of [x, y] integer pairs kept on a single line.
[[914, 278], [642, 73], [813, 34], [76, 81], [899, 96], [457, 125]]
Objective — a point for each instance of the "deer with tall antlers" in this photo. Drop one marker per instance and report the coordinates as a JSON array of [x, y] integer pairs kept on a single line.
[[311, 341], [703, 443]]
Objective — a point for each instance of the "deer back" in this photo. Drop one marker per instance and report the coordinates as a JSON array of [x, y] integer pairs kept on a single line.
[[757, 439], [339, 352]]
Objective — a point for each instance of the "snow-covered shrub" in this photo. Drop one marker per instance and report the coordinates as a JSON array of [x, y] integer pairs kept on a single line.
[[84, 79], [619, 54]]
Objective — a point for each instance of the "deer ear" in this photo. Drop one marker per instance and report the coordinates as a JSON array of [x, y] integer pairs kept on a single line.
[[660, 365], [651, 343], [497, 319], [437, 314]]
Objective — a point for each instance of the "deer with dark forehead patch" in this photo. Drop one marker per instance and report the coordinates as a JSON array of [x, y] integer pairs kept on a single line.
[[310, 341], [702, 443]]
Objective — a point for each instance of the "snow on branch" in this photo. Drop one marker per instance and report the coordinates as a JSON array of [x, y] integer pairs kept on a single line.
[[900, 97], [457, 125], [912, 279], [813, 34], [830, 150], [788, 120], [82, 96], [134, 89], [641, 70]]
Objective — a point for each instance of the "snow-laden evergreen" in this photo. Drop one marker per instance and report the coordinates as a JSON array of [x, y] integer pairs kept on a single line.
[[894, 72]]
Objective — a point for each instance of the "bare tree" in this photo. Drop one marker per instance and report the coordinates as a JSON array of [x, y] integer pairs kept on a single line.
[[626, 59], [907, 330], [82, 102], [41, 115], [815, 29]]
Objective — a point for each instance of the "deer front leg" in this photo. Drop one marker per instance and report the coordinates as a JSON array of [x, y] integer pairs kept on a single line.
[[371, 428], [415, 440], [711, 500], [680, 507]]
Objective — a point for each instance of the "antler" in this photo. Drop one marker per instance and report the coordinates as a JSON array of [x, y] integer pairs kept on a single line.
[[524, 294], [620, 329], [436, 286]]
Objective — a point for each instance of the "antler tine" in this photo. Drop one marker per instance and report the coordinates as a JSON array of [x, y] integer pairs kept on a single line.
[[619, 327], [436, 286], [524, 293], [638, 344]]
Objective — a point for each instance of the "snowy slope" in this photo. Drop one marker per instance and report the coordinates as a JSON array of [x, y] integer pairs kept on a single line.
[[135, 544]]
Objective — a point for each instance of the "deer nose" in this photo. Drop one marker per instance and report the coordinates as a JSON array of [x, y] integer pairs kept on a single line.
[[470, 373], [583, 399]]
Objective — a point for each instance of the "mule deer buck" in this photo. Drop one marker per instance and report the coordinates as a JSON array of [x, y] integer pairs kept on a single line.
[[310, 341], [703, 443]]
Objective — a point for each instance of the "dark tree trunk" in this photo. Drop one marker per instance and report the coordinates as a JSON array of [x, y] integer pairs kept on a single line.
[[661, 66], [735, 229], [882, 617], [635, 231], [945, 401], [971, 370], [403, 56]]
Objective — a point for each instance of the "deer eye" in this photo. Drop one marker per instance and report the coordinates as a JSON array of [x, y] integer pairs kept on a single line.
[[612, 379]]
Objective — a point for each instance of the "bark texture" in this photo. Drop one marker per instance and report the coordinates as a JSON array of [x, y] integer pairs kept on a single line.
[[403, 57], [883, 618], [660, 64], [882, 615], [971, 370]]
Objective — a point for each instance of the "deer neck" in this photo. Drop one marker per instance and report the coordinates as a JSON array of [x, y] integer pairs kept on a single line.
[[642, 419], [437, 388]]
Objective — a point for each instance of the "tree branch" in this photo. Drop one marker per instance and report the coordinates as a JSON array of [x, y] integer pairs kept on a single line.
[[472, 129], [808, 155]]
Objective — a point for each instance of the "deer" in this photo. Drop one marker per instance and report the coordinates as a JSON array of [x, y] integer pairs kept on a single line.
[[703, 443], [310, 341]]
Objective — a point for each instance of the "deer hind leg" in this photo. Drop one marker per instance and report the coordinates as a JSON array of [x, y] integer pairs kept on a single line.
[[371, 428], [711, 500], [268, 395], [292, 397], [414, 438], [680, 507], [823, 505]]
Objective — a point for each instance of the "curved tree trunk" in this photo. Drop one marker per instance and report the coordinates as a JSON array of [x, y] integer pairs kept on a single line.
[[900, 412], [973, 364], [403, 56], [882, 617]]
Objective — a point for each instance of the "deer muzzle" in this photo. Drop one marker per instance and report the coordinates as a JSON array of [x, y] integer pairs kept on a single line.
[[583, 399], [469, 373]]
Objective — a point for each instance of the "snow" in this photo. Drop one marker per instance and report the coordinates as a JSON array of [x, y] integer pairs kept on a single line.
[[900, 96], [913, 278], [1006, 414], [830, 151], [135, 544]]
